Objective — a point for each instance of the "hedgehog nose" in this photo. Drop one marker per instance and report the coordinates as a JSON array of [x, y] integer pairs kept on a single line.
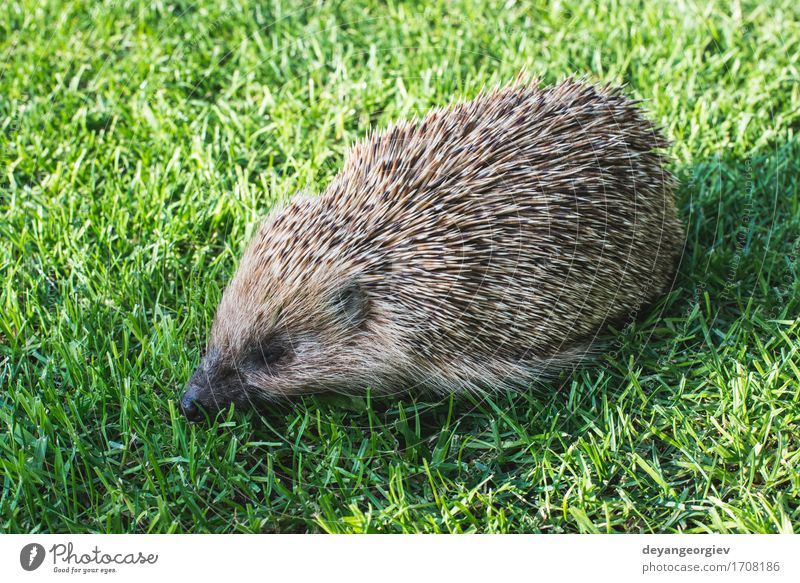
[[189, 406]]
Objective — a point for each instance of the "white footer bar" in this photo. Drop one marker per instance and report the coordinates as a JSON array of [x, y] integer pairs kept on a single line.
[[407, 558]]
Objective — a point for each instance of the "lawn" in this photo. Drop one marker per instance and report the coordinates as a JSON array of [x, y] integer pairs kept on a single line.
[[140, 142]]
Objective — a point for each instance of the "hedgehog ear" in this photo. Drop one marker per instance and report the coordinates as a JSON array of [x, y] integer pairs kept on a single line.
[[351, 303]]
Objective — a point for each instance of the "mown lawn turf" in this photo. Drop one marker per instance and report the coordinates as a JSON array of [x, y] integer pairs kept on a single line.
[[141, 141]]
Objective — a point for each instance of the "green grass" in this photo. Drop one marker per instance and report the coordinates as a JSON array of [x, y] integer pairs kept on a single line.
[[141, 141]]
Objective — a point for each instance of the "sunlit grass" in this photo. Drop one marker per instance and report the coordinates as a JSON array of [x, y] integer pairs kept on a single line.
[[139, 144]]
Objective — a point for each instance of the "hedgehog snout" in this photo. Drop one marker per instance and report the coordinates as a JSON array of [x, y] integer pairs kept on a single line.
[[208, 389], [195, 397], [188, 405]]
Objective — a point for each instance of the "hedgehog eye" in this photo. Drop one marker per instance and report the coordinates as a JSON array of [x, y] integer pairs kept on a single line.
[[268, 354], [352, 302]]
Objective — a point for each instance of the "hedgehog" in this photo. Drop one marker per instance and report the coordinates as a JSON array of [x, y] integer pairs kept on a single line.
[[482, 247]]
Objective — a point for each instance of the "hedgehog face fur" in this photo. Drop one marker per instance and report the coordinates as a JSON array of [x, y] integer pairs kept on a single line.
[[279, 333], [479, 248], [283, 329]]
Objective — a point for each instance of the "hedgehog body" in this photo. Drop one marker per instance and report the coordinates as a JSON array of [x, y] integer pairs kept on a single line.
[[478, 248]]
